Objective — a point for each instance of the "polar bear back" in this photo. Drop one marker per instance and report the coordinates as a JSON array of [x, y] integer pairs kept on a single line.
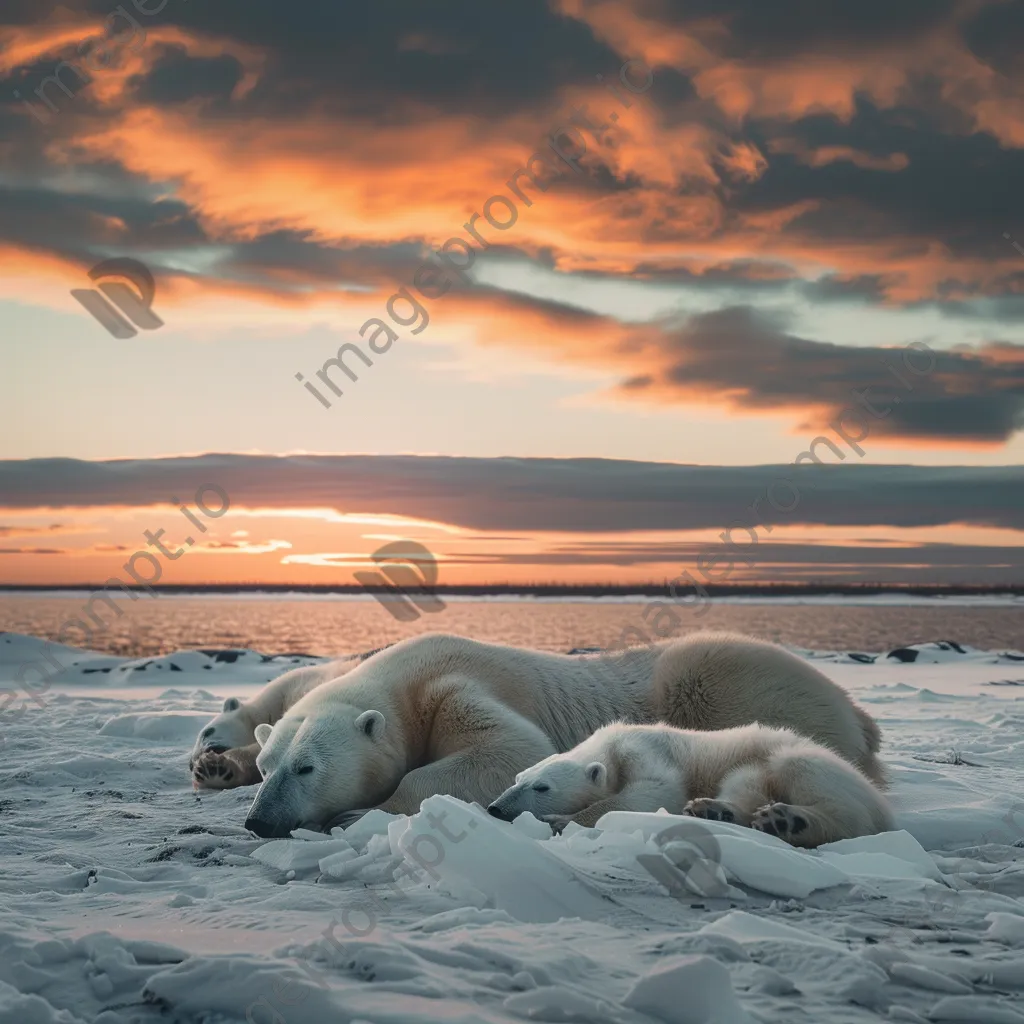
[[556, 692], [714, 681]]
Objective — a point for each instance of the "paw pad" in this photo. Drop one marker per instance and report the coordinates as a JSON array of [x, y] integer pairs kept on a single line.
[[778, 820], [711, 810], [212, 768]]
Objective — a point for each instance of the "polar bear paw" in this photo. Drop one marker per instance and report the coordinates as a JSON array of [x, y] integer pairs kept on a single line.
[[712, 810], [213, 771], [780, 820]]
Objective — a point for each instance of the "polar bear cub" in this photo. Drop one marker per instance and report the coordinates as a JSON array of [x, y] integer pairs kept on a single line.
[[225, 751], [769, 779]]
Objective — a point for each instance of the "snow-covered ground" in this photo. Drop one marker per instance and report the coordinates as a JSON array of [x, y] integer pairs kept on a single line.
[[129, 897]]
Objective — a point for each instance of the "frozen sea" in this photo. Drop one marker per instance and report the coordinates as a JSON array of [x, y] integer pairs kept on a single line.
[[128, 897]]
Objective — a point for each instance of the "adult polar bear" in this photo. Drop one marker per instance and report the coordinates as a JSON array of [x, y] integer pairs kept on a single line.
[[444, 714]]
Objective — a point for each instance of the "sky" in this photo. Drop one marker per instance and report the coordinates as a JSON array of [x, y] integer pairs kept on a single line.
[[573, 290]]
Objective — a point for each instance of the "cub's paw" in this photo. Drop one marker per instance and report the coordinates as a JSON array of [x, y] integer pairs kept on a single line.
[[557, 821], [780, 820], [712, 810], [213, 771]]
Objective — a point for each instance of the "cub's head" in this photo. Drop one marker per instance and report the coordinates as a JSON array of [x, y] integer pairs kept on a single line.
[[317, 765], [560, 784], [233, 727]]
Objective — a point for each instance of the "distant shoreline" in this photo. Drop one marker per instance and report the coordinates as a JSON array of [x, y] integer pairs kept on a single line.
[[545, 590]]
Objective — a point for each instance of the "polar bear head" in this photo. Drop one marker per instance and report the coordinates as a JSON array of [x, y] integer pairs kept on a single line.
[[560, 784], [317, 765], [233, 727]]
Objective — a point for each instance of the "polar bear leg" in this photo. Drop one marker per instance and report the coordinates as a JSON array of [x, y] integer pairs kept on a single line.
[[483, 746], [819, 799], [234, 767], [740, 793], [477, 774]]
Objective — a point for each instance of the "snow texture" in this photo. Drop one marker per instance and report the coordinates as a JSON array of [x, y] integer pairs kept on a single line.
[[128, 897]]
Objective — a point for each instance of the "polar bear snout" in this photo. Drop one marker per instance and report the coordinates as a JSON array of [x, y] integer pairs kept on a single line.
[[274, 811], [510, 804], [497, 811], [267, 829], [522, 797]]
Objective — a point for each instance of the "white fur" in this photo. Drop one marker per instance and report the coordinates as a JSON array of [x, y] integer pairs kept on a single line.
[[224, 754], [457, 716], [765, 778]]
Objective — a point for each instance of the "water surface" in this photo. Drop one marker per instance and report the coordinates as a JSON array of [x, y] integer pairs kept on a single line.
[[279, 624]]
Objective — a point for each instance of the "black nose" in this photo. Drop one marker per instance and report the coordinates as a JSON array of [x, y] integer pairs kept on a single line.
[[495, 811], [262, 828]]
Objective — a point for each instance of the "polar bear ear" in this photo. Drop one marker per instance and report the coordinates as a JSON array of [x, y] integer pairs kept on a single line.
[[596, 773], [263, 732], [371, 723], [232, 704]]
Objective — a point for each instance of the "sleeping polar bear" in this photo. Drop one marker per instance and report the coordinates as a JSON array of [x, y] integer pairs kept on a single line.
[[444, 714], [769, 779]]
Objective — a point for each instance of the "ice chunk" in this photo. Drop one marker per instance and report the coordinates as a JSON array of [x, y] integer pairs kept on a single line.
[[974, 1010], [295, 854], [688, 990], [818, 964], [777, 869], [745, 928], [458, 843], [31, 1008], [747, 856], [335, 865], [766, 863], [889, 855], [379, 846], [372, 823], [532, 827], [922, 977], [310, 836], [1005, 928]]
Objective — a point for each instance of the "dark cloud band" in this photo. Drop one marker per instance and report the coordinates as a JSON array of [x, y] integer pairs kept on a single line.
[[574, 495]]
